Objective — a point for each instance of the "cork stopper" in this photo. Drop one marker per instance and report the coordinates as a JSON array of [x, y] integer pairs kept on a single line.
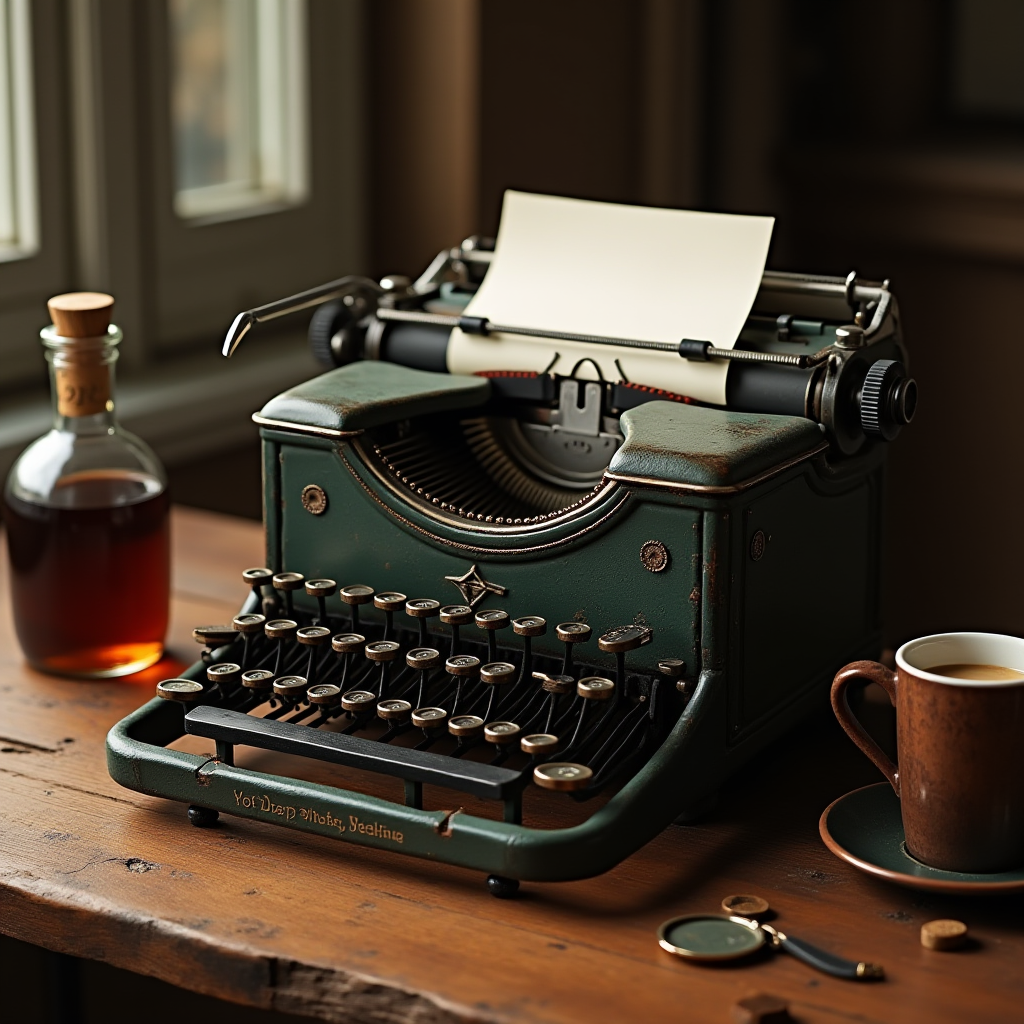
[[81, 314]]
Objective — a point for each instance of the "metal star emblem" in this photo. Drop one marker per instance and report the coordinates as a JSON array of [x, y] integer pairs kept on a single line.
[[473, 587]]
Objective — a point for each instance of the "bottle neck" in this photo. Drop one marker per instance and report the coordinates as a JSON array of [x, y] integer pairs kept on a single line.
[[82, 382]]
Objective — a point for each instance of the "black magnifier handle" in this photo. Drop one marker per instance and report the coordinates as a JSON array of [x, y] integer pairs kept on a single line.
[[824, 961]]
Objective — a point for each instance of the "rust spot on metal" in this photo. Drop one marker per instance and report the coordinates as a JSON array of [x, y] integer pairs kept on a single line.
[[695, 595], [444, 826]]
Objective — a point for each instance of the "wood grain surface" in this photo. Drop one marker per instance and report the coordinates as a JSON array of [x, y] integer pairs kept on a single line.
[[266, 917]]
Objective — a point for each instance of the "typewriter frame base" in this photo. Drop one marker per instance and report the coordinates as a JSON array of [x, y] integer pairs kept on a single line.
[[673, 781]]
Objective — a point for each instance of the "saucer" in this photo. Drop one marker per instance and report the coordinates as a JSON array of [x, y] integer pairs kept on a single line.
[[865, 829]]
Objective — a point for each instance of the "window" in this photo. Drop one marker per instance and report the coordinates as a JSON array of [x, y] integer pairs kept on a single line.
[[988, 59], [19, 233], [238, 105]]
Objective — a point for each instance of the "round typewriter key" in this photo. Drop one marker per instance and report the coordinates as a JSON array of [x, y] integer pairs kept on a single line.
[[672, 667], [497, 673], [423, 658], [573, 632], [625, 638], [356, 595], [394, 710], [257, 577], [530, 625], [291, 687], [348, 643], [288, 581], [501, 733], [389, 601], [463, 665], [358, 700], [248, 624], [465, 726], [225, 672], [281, 629], [183, 690], [429, 718], [313, 636], [595, 688], [422, 608], [456, 615], [491, 618], [539, 744], [325, 695], [321, 588], [382, 650], [562, 775], [555, 684], [710, 937], [258, 679]]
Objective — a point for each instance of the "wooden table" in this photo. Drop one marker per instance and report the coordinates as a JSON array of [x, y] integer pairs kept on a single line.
[[260, 915]]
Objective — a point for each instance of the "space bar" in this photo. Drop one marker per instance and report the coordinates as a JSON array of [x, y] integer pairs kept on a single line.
[[484, 780]]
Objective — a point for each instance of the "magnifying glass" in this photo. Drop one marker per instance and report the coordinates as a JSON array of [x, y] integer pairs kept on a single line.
[[717, 937]]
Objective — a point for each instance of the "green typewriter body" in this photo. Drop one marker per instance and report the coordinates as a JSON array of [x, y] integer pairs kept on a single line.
[[621, 594]]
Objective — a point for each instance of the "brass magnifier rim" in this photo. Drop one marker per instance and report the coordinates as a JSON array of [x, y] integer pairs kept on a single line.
[[692, 954]]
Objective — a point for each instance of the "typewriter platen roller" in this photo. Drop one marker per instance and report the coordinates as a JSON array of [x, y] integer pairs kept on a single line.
[[522, 588]]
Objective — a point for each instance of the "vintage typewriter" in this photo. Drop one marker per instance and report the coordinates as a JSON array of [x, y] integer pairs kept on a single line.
[[514, 584]]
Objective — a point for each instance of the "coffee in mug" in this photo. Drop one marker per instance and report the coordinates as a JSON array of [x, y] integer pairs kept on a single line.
[[959, 700]]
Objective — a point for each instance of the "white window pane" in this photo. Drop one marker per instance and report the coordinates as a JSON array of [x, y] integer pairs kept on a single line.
[[988, 75], [238, 105], [18, 209]]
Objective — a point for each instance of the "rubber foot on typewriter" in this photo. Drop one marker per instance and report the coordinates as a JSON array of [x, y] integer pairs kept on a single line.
[[503, 888], [202, 817], [698, 810]]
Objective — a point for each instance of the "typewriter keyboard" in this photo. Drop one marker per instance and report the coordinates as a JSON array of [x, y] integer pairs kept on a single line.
[[432, 695]]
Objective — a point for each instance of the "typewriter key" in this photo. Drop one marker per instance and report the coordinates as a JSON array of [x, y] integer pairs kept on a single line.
[[595, 688], [348, 643], [429, 718], [492, 619], [555, 684], [183, 690], [288, 583], [497, 673], [291, 688], [501, 733], [358, 701], [382, 652], [258, 579], [620, 640], [355, 596], [423, 658], [321, 590], [324, 695], [456, 615], [422, 609], [394, 710], [312, 637], [248, 624], [389, 602], [466, 726], [539, 744], [562, 775], [214, 636], [673, 668], [225, 673], [463, 666], [281, 629], [528, 626], [258, 679], [571, 633]]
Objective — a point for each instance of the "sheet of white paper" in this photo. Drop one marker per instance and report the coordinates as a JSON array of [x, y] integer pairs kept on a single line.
[[616, 271]]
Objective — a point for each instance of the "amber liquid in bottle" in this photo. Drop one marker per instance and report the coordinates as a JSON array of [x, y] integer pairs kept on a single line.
[[86, 511], [89, 576]]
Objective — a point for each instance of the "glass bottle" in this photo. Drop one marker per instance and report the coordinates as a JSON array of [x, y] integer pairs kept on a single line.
[[86, 509]]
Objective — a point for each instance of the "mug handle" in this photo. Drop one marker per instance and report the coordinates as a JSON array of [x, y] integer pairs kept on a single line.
[[873, 672]]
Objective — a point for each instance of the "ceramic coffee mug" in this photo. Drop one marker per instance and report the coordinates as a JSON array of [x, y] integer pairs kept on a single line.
[[960, 777]]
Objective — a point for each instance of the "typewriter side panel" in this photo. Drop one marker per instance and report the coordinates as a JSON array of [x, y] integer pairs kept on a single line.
[[599, 578], [807, 592]]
